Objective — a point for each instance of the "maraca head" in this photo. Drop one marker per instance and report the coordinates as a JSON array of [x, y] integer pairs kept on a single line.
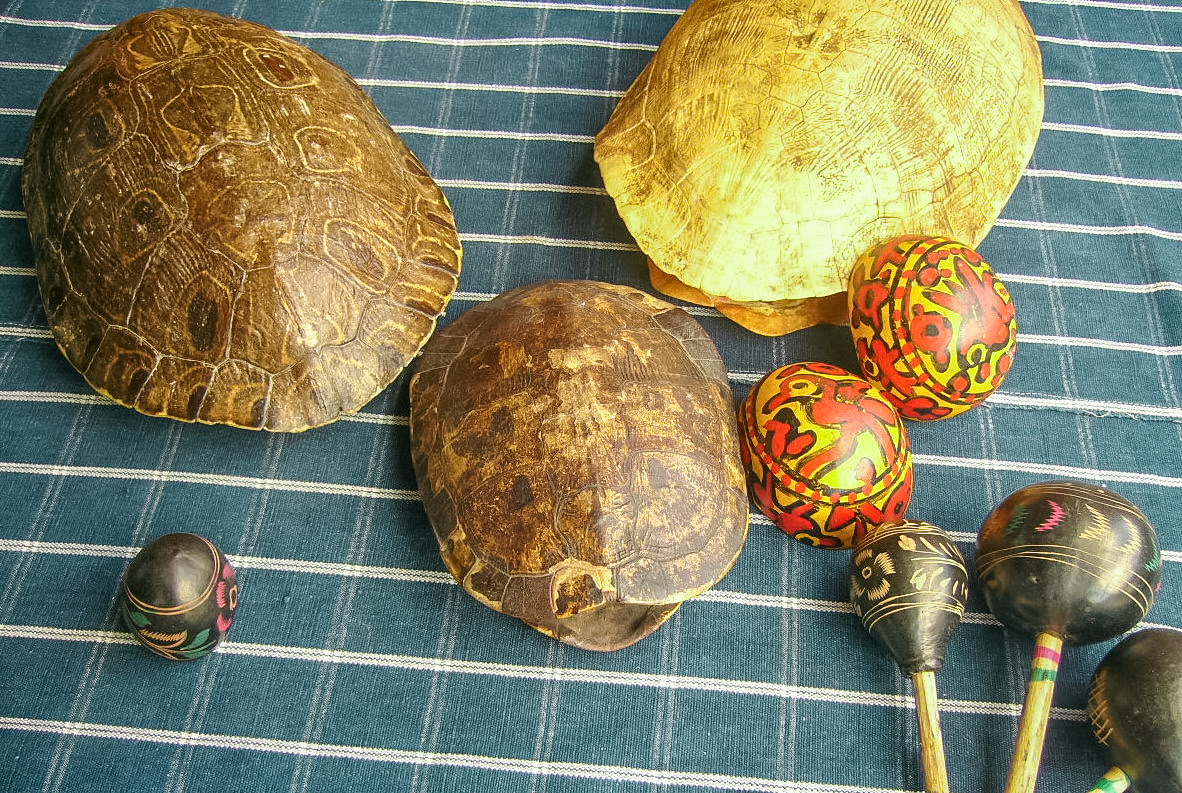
[[179, 596], [908, 584], [827, 456], [1068, 558], [1135, 706]]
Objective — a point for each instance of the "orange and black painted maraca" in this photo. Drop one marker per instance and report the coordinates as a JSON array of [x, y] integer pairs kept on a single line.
[[1068, 563]]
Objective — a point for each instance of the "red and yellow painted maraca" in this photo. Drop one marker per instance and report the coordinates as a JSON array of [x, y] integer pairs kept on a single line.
[[826, 454], [933, 325]]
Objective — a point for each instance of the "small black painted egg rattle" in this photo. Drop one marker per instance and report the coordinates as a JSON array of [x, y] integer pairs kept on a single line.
[[1065, 562], [909, 585], [1135, 705], [179, 596]]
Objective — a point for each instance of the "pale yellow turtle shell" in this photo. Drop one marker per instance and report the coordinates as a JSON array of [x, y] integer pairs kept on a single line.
[[768, 143]]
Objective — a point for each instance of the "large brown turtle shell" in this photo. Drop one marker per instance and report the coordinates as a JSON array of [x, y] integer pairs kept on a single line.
[[227, 229], [577, 452], [769, 143]]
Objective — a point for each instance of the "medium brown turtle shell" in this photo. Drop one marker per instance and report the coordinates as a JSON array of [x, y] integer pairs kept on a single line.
[[769, 143], [227, 229], [577, 452]]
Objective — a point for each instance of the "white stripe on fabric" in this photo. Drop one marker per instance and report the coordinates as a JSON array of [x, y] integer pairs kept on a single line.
[[550, 6], [539, 4], [552, 242], [63, 397], [613, 9], [32, 66], [494, 134], [1048, 470], [1093, 407], [376, 418], [1097, 408], [584, 676], [360, 491], [569, 41], [221, 480], [1100, 344], [559, 137], [524, 187], [385, 38], [25, 332], [554, 768], [1033, 173], [241, 561], [72, 24], [449, 42], [1125, 181], [586, 139], [410, 575], [1110, 45], [476, 184], [1084, 129], [1079, 283], [511, 239], [1054, 82], [1107, 4], [597, 93], [68, 548], [1080, 228]]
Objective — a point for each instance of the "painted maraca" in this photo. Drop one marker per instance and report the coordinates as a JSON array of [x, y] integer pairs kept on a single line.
[[827, 456], [179, 596], [1135, 706], [1065, 562], [908, 584]]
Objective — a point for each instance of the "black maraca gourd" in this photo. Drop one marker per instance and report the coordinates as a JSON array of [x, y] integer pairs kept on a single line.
[[1069, 563], [1069, 558], [909, 584], [179, 596], [1135, 705]]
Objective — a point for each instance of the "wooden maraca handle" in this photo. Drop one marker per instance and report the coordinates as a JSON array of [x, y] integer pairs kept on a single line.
[[931, 737], [1036, 711], [1115, 781]]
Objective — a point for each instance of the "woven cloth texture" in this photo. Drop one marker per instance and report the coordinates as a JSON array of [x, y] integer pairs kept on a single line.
[[356, 663]]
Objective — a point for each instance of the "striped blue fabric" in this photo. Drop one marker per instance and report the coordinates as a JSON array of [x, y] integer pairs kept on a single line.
[[357, 664]]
